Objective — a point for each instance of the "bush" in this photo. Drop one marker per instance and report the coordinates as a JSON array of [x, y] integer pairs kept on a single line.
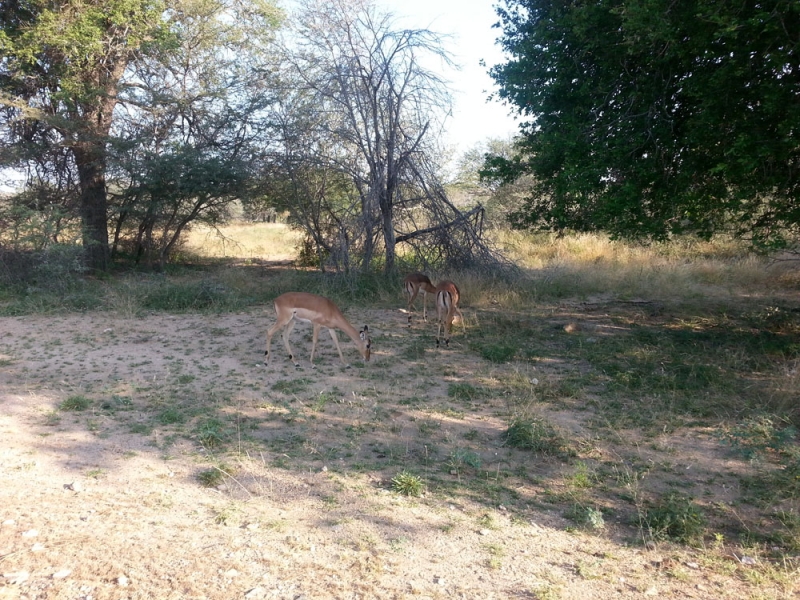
[[407, 484], [585, 516], [677, 518]]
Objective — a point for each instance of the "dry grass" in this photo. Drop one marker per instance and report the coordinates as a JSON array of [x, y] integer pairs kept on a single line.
[[243, 240], [590, 264]]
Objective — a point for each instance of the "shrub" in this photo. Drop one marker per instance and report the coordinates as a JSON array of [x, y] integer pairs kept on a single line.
[[677, 518], [407, 484]]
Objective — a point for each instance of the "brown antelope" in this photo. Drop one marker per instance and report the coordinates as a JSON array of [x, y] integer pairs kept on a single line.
[[414, 284], [320, 312], [447, 297]]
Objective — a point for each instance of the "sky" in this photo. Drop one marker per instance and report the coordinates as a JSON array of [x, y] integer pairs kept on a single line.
[[469, 22]]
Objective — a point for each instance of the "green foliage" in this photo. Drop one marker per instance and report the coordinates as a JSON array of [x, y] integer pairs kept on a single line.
[[774, 442], [651, 117], [407, 484], [585, 516], [177, 154], [498, 353], [537, 435], [762, 435], [465, 392], [675, 517], [181, 296], [75, 403], [461, 457], [171, 416], [292, 386], [211, 477], [212, 433]]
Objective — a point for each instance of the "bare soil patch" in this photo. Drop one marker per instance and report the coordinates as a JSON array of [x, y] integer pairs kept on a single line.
[[106, 503]]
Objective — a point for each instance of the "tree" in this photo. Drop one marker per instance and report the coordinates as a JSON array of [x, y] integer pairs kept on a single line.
[[123, 84], [62, 68], [189, 137], [652, 117], [380, 108]]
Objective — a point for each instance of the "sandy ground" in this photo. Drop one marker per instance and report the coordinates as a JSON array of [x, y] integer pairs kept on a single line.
[[106, 503]]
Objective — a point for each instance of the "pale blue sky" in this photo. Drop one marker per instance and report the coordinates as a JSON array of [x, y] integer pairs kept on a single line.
[[469, 22]]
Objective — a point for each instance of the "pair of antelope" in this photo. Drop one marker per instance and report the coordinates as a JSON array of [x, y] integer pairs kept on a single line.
[[321, 312], [447, 297]]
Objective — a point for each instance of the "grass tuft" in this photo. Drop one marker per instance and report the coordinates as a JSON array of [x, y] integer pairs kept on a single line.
[[407, 484], [75, 403], [537, 435]]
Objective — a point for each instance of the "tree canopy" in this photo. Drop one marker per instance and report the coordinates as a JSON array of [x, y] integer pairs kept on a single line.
[[645, 118], [94, 94]]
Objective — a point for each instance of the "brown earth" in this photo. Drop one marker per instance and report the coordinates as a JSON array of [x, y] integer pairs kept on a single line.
[[105, 503]]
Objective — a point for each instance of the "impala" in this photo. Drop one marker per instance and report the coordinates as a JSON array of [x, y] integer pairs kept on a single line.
[[320, 312], [414, 284], [447, 297]]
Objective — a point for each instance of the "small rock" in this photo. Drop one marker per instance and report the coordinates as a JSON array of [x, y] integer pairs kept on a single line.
[[231, 573], [748, 560], [692, 565], [484, 532], [651, 591], [30, 533], [9, 522], [17, 577], [75, 486], [502, 508], [62, 574], [37, 547], [122, 581], [256, 592], [438, 580]]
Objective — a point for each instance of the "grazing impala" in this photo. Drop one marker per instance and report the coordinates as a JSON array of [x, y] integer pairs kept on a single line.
[[447, 297], [320, 312], [414, 284]]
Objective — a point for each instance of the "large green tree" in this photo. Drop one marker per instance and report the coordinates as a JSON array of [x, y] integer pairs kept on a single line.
[[652, 117], [59, 79], [156, 101]]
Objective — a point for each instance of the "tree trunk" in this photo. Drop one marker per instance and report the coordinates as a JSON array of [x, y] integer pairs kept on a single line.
[[93, 207], [388, 235]]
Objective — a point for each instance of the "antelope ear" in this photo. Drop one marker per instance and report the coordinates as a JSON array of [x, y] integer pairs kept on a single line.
[[366, 328]]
